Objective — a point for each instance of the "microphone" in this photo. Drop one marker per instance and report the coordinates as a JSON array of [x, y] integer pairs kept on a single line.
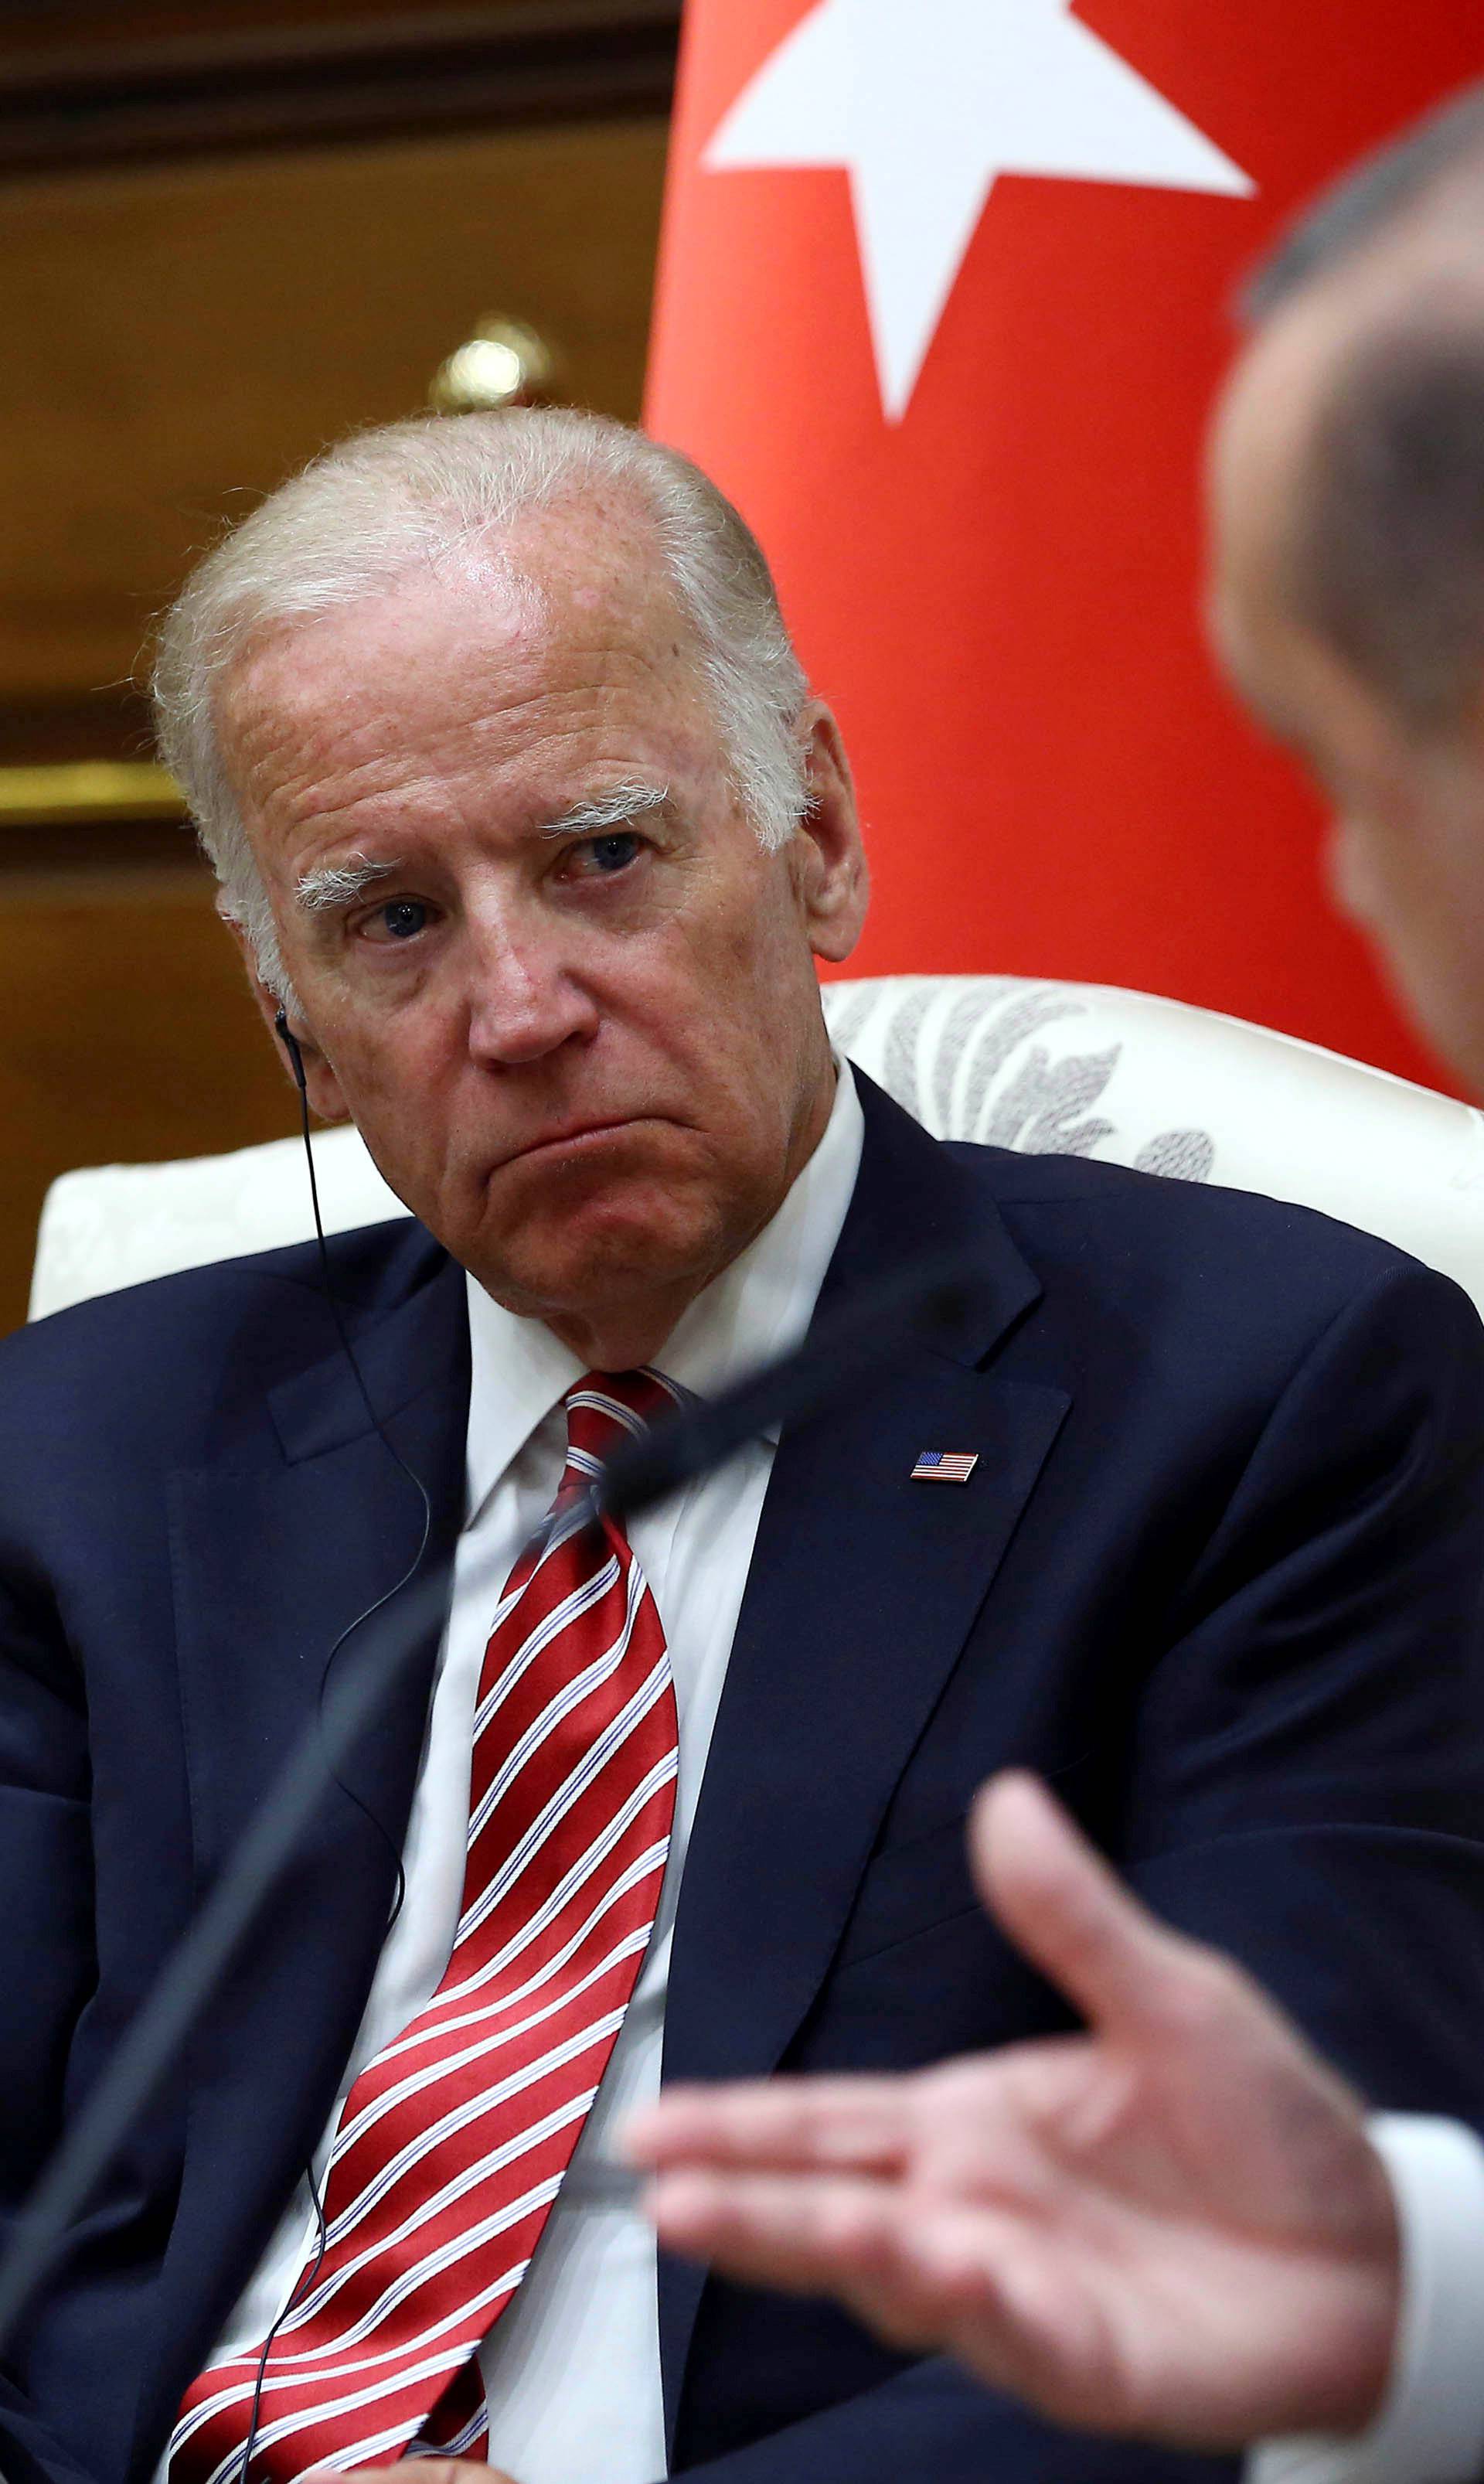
[[842, 1350]]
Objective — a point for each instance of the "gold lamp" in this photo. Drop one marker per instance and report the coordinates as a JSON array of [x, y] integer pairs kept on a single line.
[[503, 362]]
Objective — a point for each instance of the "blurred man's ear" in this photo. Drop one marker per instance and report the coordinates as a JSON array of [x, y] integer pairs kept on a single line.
[[828, 858], [320, 1083]]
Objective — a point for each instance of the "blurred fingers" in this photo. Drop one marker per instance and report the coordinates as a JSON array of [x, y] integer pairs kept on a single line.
[[812, 2234], [921, 2275], [418, 2471], [1064, 1907], [860, 2124]]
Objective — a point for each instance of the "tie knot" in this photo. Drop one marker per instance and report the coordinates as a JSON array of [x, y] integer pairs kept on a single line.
[[607, 1408]]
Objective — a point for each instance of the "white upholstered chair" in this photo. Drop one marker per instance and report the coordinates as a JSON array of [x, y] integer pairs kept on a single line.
[[1071, 1068]]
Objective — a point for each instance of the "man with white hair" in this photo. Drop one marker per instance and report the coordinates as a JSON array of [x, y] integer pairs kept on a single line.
[[1182, 2226], [532, 834]]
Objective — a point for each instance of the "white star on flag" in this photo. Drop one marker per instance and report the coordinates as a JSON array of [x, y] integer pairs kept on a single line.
[[926, 103]]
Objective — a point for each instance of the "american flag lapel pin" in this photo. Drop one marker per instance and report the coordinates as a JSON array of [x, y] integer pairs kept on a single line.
[[945, 1466]]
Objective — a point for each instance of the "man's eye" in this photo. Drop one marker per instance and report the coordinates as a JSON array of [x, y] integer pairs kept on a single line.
[[601, 856], [401, 918]]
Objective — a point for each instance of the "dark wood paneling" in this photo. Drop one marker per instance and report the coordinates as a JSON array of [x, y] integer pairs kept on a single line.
[[56, 851], [105, 724], [131, 97], [178, 339], [126, 1033], [53, 26]]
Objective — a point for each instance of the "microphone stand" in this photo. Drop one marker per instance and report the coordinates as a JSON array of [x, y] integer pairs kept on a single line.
[[842, 1351]]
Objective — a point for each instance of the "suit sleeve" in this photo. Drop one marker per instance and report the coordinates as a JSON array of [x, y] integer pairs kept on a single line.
[[1430, 2429], [47, 1947], [933, 2425], [1303, 1784], [1305, 1781]]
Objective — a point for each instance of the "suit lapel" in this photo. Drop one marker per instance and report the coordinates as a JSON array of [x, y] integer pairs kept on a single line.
[[862, 1590], [271, 1565]]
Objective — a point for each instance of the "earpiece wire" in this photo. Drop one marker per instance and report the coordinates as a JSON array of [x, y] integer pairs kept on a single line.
[[311, 2271]]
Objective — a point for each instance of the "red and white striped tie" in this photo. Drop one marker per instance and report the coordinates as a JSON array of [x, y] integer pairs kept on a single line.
[[453, 2142]]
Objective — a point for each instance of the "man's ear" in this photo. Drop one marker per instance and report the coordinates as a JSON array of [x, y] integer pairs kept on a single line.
[[829, 859], [321, 1085]]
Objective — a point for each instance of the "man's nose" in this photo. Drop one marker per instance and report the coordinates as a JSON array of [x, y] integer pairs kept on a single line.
[[524, 998]]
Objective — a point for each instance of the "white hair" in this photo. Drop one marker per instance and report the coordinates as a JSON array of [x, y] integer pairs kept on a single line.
[[363, 515]]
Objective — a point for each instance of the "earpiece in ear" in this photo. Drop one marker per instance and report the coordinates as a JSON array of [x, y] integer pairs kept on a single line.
[[290, 1043]]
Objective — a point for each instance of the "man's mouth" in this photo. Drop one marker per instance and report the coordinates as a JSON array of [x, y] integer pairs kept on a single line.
[[575, 1138]]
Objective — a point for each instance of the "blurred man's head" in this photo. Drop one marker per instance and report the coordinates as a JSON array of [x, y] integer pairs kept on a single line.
[[1348, 531], [520, 803]]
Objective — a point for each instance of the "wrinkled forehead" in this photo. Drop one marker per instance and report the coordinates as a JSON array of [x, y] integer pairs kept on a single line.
[[564, 604]]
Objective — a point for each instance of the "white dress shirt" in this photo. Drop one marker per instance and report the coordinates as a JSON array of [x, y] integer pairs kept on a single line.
[[1430, 2426], [572, 2368]]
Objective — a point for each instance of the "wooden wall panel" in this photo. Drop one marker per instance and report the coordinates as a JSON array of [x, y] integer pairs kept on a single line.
[[38, 28], [126, 1033], [226, 82], [176, 341]]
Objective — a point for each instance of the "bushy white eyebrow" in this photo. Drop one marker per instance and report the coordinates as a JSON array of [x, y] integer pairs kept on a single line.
[[340, 883], [611, 810]]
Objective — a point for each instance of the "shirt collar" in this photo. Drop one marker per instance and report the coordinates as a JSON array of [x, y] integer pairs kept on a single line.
[[756, 1309]]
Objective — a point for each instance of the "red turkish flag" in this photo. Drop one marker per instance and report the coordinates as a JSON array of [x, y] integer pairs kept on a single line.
[[943, 304]]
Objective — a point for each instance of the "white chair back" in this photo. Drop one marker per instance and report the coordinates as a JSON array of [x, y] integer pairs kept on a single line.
[[1047, 1068]]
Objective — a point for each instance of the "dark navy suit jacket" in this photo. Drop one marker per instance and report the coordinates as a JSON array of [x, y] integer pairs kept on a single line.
[[1218, 1573]]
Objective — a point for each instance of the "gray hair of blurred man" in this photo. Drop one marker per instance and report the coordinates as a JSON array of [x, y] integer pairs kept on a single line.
[[1386, 557], [362, 516]]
